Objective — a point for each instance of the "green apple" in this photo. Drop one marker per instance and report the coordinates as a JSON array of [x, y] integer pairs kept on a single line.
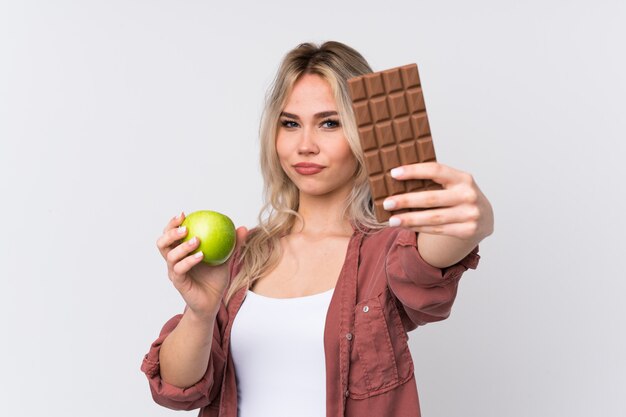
[[216, 233]]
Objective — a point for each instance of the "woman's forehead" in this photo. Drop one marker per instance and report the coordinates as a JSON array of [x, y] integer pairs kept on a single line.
[[311, 94]]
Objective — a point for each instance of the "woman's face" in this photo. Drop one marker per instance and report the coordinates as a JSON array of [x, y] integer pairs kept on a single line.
[[310, 142]]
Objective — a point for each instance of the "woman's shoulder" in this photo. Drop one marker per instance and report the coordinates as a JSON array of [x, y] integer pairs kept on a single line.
[[382, 240]]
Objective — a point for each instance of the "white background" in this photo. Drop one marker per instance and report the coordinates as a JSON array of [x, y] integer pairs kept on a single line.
[[117, 115]]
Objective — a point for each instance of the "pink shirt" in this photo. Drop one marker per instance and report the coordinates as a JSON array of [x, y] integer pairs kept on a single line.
[[385, 289]]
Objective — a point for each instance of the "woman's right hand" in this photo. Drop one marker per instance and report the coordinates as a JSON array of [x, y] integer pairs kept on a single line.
[[201, 286]]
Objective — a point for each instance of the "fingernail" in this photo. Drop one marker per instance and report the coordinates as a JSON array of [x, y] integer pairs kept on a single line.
[[192, 241], [394, 221], [198, 254], [182, 230], [389, 204], [180, 216], [396, 172]]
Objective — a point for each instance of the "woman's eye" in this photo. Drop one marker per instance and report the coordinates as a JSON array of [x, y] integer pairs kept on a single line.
[[330, 124], [288, 123]]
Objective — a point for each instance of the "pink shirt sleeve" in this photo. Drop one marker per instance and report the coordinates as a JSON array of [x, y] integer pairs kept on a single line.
[[426, 292]]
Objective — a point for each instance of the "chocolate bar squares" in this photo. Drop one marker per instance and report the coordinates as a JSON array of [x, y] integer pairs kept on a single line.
[[393, 129]]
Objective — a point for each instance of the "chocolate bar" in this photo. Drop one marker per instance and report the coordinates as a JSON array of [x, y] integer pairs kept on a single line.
[[393, 129]]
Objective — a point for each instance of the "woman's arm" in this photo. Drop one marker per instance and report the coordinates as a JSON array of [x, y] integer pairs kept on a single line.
[[455, 218], [185, 396], [443, 251], [184, 354]]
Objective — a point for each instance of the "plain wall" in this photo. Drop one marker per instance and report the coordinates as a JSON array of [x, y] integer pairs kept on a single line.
[[116, 115]]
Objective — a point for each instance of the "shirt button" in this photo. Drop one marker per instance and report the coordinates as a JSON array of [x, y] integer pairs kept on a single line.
[[347, 393], [349, 336], [366, 309]]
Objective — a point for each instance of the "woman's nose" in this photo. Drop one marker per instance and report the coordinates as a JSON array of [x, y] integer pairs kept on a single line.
[[308, 142]]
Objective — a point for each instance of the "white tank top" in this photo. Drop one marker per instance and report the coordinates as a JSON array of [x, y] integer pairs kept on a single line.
[[277, 346]]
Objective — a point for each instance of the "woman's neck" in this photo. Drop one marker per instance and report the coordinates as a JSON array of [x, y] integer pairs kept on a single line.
[[323, 216]]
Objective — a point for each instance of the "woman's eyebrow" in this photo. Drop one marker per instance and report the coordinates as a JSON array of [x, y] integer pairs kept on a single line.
[[319, 115]]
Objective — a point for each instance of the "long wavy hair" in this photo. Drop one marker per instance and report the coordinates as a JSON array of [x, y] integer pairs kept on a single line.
[[335, 63]]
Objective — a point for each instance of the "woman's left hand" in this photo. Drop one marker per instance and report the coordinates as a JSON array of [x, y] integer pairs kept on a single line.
[[459, 210]]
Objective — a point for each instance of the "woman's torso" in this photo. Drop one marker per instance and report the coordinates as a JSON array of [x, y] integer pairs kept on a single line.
[[277, 346]]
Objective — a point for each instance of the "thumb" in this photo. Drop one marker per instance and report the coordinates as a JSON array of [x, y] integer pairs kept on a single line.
[[242, 233]]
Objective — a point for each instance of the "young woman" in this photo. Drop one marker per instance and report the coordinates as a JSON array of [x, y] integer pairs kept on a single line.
[[310, 316]]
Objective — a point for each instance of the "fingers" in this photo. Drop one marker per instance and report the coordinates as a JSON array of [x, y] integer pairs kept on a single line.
[[423, 199], [459, 230], [175, 222], [182, 267], [171, 234], [461, 222], [181, 259], [181, 251], [457, 210], [435, 171], [436, 217]]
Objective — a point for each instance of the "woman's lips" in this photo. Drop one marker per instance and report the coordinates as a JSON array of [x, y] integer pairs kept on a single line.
[[307, 168]]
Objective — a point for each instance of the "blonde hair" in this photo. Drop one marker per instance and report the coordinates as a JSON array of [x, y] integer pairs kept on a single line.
[[335, 63]]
